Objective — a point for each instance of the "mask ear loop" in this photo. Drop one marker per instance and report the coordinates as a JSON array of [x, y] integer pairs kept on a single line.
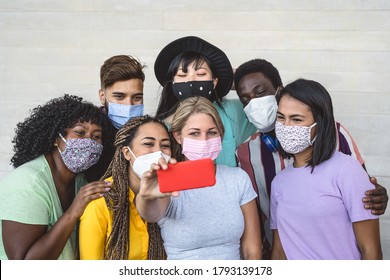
[[315, 136], [131, 152], [63, 139], [132, 155], [278, 90]]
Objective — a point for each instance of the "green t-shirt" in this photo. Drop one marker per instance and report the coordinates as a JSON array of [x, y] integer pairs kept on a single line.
[[29, 196]]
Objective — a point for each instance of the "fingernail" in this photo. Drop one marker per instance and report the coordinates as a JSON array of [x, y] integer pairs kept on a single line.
[[108, 183], [107, 189]]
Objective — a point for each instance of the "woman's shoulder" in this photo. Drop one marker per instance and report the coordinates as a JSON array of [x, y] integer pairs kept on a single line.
[[97, 207], [231, 171], [29, 174], [343, 161], [231, 105]]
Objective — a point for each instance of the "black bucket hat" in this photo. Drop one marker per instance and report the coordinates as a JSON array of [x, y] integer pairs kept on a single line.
[[219, 60]]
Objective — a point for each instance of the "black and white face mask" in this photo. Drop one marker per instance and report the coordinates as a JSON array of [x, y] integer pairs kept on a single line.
[[194, 88]]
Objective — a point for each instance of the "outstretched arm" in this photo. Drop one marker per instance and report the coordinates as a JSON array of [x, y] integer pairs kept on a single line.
[[150, 202]]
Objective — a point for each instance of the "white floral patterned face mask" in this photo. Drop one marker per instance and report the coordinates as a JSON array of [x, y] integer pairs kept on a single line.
[[80, 153], [294, 139]]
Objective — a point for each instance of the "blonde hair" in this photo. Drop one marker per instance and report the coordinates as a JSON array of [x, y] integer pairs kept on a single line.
[[187, 108], [117, 245]]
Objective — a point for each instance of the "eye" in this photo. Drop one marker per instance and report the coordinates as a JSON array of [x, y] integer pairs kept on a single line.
[[279, 118], [181, 73], [296, 120], [148, 144], [138, 98], [165, 146], [96, 137], [260, 93], [118, 96], [194, 133], [213, 132], [80, 132]]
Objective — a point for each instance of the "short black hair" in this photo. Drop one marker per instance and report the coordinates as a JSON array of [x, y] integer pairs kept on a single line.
[[314, 95], [258, 65], [37, 133]]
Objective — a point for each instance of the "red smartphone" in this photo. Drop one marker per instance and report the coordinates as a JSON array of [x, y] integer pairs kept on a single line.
[[186, 175]]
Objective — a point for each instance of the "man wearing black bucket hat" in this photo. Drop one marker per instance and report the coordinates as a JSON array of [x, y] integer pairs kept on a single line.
[[191, 66]]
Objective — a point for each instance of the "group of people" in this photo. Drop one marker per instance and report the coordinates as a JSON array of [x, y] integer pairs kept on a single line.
[[290, 181]]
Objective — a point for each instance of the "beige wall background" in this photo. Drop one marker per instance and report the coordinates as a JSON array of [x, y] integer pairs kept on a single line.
[[48, 48]]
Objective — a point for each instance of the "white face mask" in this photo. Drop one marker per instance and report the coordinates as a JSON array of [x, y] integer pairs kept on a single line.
[[142, 163], [294, 139], [261, 112]]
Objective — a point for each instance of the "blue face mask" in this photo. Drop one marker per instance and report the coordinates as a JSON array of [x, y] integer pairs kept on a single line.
[[119, 114]]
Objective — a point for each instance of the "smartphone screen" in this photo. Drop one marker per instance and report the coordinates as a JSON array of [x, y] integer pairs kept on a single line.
[[187, 175]]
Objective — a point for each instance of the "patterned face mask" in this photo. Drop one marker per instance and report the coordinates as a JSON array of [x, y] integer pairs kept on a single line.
[[80, 154], [294, 139], [194, 88], [199, 149]]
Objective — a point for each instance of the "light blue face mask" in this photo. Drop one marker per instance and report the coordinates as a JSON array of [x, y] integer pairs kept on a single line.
[[119, 114]]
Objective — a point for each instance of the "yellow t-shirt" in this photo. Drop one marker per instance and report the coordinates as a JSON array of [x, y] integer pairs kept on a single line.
[[96, 226]]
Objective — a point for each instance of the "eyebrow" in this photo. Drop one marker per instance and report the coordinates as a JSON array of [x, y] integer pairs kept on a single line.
[[83, 126], [200, 67], [292, 116], [149, 138], [154, 139], [197, 129], [122, 93]]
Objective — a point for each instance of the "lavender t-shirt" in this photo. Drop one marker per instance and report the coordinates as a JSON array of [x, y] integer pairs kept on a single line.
[[314, 212]]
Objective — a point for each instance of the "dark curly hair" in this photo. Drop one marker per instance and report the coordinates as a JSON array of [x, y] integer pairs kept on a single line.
[[37, 133], [258, 65]]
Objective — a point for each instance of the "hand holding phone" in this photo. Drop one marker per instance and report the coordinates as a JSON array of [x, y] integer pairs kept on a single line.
[[187, 175]]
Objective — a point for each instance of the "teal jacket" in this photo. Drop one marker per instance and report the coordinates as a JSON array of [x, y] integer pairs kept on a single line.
[[237, 130]]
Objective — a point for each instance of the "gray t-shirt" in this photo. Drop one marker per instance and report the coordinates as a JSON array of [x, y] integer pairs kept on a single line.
[[208, 223]]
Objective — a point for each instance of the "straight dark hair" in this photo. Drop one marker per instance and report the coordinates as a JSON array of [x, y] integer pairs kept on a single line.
[[314, 95], [168, 101]]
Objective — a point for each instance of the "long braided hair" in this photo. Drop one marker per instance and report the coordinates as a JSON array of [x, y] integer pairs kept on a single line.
[[117, 199]]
